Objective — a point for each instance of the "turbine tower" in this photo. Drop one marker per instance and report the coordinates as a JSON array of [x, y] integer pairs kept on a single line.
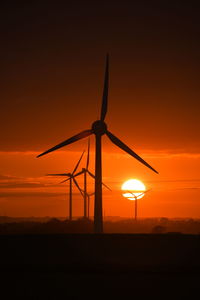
[[99, 128], [70, 177]]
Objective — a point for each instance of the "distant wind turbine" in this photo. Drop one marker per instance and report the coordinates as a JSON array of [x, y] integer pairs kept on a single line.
[[70, 178], [99, 128], [87, 195], [137, 196], [85, 171]]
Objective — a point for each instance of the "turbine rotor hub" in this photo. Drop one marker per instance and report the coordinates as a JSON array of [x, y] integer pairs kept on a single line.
[[99, 127]]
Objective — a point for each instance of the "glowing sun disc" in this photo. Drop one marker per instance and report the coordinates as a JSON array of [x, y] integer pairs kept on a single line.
[[136, 187]]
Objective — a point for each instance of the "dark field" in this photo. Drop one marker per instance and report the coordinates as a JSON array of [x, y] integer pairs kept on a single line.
[[70, 265], [111, 225]]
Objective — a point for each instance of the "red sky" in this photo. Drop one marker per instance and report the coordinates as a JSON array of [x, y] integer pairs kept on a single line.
[[51, 87]]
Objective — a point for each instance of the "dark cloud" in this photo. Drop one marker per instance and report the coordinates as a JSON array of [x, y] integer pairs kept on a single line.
[[7, 177], [188, 188], [7, 181], [21, 185], [174, 181], [32, 194]]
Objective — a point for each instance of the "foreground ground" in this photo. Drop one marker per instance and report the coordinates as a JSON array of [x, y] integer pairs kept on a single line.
[[73, 265]]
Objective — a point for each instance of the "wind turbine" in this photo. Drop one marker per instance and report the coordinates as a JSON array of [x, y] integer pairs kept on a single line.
[[88, 195], [70, 177], [99, 128], [137, 196], [85, 171]]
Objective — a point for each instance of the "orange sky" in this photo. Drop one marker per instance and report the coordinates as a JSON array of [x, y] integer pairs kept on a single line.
[[175, 191], [51, 87]]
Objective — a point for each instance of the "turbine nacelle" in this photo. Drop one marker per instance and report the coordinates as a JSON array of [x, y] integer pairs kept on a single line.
[[99, 127]]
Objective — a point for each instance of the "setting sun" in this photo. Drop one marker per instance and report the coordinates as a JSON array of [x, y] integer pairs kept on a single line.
[[136, 187]]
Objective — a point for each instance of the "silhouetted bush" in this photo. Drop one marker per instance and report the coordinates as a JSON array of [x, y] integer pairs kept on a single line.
[[84, 225], [158, 229]]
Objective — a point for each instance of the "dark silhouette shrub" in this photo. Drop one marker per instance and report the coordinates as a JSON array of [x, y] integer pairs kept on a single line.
[[158, 229]]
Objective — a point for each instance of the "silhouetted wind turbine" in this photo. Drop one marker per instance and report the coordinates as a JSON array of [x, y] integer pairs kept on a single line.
[[99, 128], [136, 197], [85, 171], [87, 195], [70, 177]]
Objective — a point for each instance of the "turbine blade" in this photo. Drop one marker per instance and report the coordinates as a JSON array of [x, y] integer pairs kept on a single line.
[[65, 180], [104, 105], [121, 145], [106, 186], [77, 185], [132, 194], [77, 174], [73, 139], [92, 175], [136, 192], [76, 167], [88, 154], [147, 191]]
